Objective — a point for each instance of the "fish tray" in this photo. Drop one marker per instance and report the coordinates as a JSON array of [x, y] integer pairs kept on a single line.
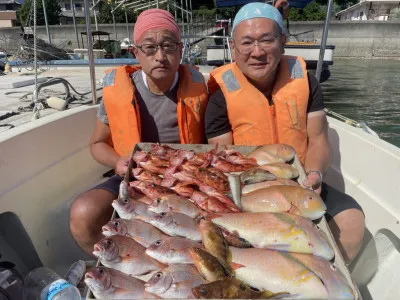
[[321, 223]]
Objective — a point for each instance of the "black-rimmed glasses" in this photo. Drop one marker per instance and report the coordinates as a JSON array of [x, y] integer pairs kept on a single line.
[[151, 49]]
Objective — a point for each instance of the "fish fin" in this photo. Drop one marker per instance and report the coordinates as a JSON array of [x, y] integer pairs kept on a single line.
[[236, 266]]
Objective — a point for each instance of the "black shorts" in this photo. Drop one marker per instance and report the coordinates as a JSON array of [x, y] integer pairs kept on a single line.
[[111, 185], [335, 200]]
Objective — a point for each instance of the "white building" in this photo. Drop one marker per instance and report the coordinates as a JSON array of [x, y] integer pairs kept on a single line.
[[369, 10]]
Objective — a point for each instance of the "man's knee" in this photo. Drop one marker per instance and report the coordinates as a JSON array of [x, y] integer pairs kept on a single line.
[[348, 228], [89, 210]]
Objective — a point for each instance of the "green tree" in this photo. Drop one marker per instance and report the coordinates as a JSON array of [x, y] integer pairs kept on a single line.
[[312, 12], [105, 16], [53, 10]]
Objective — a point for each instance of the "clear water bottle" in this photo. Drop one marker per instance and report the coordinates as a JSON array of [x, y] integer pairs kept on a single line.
[[44, 284]]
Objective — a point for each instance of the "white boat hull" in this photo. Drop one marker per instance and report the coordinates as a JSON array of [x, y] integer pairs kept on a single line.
[[44, 165]]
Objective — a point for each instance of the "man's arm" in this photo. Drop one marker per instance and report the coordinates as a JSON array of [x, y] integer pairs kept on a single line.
[[218, 128], [318, 150], [101, 151]]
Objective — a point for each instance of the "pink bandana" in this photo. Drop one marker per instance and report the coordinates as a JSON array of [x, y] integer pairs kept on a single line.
[[152, 19]]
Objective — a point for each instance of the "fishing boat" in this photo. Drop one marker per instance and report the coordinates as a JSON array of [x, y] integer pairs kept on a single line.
[[45, 163]]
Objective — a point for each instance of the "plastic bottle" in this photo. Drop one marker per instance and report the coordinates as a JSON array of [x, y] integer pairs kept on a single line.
[[44, 284]]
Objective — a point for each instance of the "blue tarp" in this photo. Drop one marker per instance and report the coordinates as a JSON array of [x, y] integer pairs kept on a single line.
[[226, 3]]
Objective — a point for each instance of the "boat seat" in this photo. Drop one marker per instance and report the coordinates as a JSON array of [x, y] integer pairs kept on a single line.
[[376, 271], [16, 245]]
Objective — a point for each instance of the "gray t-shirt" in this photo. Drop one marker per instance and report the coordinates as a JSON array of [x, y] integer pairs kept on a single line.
[[157, 113]]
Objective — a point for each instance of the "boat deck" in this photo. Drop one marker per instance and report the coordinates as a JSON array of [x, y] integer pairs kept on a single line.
[[16, 103]]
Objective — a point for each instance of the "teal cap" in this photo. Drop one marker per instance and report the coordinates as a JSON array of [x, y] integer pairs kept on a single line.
[[258, 10]]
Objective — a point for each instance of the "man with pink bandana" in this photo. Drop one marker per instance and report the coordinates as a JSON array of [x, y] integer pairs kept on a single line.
[[160, 101]]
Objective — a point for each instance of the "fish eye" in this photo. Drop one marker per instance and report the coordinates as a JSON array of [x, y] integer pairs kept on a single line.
[[101, 271], [242, 286], [158, 275], [116, 223], [203, 291], [310, 197], [163, 214], [125, 201], [158, 201], [108, 243], [158, 242]]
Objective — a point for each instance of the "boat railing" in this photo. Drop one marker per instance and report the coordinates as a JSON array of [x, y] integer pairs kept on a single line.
[[361, 125]]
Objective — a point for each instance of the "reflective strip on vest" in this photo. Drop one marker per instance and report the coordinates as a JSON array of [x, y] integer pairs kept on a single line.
[[109, 79], [230, 81], [295, 68], [196, 75]]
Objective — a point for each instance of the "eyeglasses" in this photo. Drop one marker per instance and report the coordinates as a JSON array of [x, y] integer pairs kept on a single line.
[[151, 49], [246, 47]]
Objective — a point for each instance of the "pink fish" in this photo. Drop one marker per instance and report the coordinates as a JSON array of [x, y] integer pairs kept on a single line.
[[131, 209], [275, 271], [248, 188], [272, 153], [285, 198], [126, 255], [175, 203], [277, 231], [144, 175], [334, 281], [142, 232], [177, 224], [172, 250], [176, 281], [106, 283]]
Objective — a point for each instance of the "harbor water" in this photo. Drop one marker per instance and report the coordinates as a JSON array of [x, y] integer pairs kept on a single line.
[[367, 91]]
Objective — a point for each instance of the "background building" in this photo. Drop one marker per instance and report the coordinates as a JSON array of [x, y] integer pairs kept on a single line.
[[369, 10], [8, 12]]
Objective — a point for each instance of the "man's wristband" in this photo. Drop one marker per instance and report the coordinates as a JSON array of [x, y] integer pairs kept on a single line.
[[316, 172]]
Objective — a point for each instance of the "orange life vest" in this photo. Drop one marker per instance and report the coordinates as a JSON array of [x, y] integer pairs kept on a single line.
[[123, 111], [253, 120]]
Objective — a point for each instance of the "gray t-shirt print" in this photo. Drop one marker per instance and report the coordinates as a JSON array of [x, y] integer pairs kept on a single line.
[[157, 113]]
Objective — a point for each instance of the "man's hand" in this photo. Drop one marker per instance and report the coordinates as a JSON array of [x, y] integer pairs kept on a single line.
[[314, 182], [122, 165]]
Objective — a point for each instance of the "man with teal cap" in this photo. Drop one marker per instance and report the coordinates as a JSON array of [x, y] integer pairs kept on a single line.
[[265, 97]]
